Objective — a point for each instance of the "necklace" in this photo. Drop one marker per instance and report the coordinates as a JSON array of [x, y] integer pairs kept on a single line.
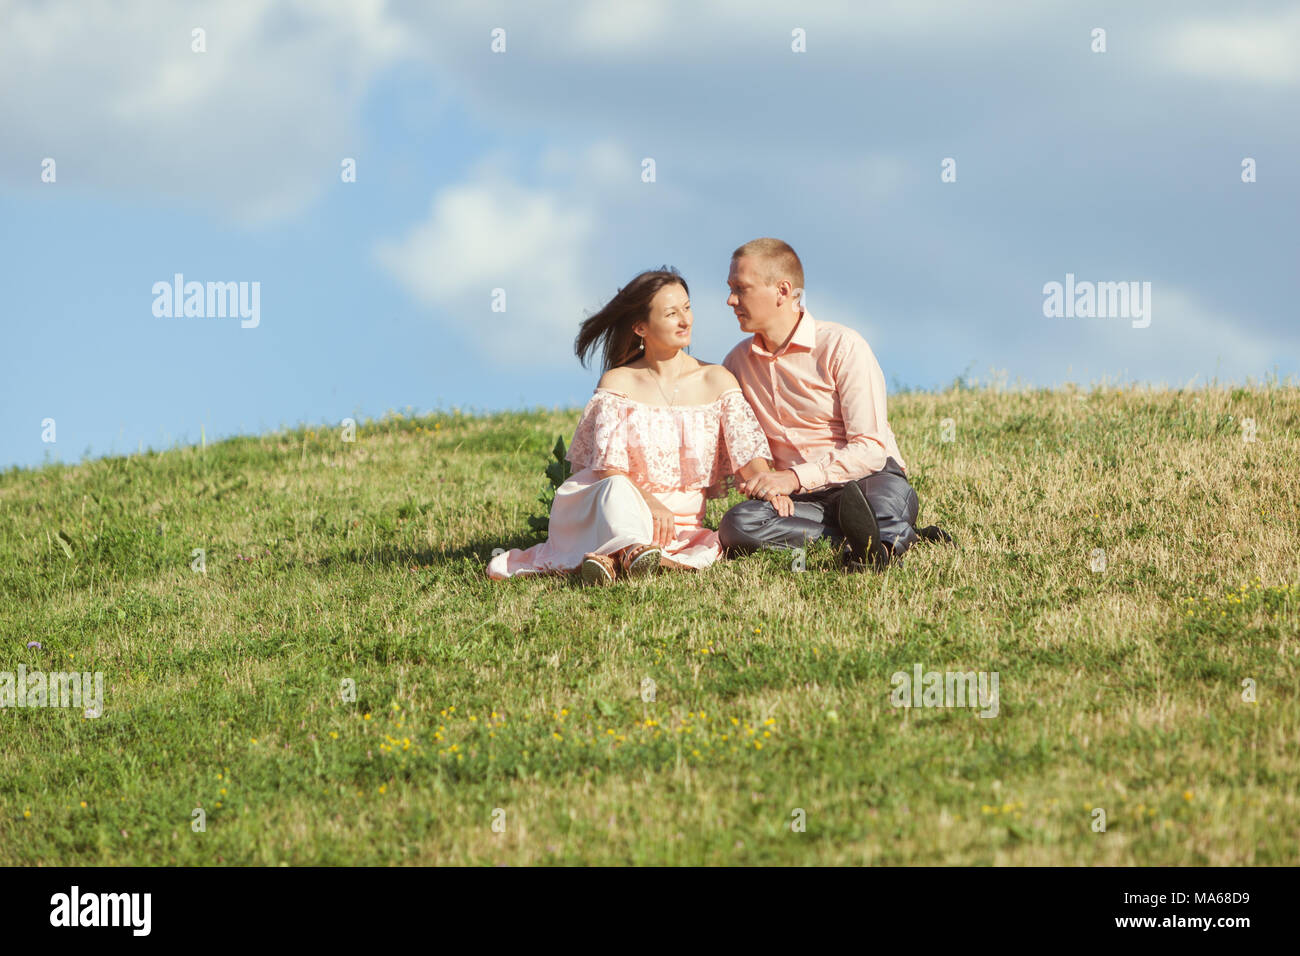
[[670, 400]]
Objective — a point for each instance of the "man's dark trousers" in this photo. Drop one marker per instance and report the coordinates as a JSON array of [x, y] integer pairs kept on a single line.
[[754, 524]]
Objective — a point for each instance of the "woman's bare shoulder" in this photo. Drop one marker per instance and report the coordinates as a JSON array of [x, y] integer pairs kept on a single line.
[[616, 379], [719, 379]]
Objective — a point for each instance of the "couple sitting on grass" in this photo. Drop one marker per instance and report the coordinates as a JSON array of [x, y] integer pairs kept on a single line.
[[795, 416]]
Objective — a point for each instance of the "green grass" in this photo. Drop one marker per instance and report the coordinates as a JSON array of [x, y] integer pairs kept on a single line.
[[1120, 689]]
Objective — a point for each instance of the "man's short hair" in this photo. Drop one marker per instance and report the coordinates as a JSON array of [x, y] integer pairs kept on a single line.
[[778, 260]]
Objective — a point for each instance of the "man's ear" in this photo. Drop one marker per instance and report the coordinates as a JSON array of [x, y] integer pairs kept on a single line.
[[785, 288]]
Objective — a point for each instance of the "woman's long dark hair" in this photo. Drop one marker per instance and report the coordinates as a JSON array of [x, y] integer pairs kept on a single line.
[[612, 325]]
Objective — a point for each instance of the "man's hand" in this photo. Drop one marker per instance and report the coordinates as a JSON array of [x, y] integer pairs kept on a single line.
[[769, 484]]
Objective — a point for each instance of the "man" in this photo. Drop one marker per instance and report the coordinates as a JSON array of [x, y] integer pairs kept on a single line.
[[819, 394]]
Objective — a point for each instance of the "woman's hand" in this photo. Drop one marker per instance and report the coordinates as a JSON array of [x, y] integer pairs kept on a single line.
[[665, 522], [783, 504], [768, 484]]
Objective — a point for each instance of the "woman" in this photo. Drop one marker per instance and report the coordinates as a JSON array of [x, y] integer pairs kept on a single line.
[[662, 431]]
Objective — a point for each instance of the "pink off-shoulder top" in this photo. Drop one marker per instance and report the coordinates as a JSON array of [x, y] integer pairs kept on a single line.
[[669, 447]]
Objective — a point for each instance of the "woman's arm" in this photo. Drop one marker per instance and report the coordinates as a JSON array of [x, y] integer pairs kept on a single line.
[[753, 468], [741, 427], [665, 522], [744, 436]]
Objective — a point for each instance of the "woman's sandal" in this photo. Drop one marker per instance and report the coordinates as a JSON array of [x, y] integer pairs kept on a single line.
[[640, 561], [598, 569]]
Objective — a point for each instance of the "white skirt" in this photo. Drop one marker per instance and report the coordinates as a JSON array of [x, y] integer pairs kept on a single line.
[[604, 516]]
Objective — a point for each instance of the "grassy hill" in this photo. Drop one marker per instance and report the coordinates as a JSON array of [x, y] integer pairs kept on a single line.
[[521, 702]]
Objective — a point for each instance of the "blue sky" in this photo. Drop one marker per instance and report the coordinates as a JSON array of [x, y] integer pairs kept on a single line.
[[522, 170]]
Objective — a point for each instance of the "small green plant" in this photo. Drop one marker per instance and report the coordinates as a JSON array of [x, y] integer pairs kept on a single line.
[[556, 473]]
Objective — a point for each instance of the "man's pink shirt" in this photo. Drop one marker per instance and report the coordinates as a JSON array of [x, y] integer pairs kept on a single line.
[[821, 401]]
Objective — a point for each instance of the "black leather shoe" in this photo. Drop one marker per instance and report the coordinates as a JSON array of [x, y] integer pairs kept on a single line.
[[878, 560], [935, 534], [861, 533]]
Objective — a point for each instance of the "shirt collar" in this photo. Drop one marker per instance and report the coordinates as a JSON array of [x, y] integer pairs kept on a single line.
[[804, 338]]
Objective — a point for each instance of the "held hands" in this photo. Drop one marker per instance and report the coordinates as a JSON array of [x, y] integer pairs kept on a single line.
[[769, 485]]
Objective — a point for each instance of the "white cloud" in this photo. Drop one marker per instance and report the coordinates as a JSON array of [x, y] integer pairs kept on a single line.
[[1187, 338], [1199, 338], [664, 30], [493, 233], [558, 237], [617, 29], [603, 165], [1259, 49], [254, 127]]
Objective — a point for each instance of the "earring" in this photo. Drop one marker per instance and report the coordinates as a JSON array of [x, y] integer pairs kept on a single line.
[[641, 346]]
